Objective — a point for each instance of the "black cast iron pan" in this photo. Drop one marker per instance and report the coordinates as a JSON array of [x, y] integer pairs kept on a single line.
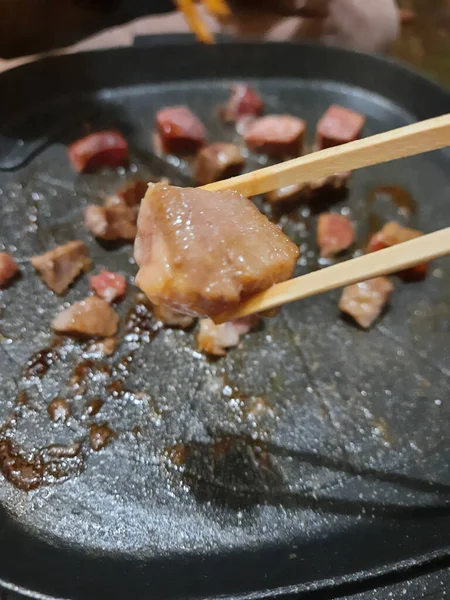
[[315, 454]]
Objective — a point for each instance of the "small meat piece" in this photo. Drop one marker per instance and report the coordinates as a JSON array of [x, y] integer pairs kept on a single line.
[[337, 181], [335, 233], [172, 318], [278, 136], [244, 101], [91, 317], [365, 301], [108, 285], [288, 194], [98, 150], [180, 131], [338, 125], [215, 339], [203, 253], [391, 234], [111, 222], [102, 348], [218, 161], [60, 266], [8, 268], [129, 195]]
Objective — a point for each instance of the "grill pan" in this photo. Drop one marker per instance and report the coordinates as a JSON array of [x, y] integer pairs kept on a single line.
[[315, 454]]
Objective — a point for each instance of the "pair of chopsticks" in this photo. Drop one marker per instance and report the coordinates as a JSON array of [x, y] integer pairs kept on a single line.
[[424, 136]]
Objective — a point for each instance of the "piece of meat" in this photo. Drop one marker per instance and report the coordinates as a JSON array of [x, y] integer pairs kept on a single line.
[[179, 130], [203, 252], [288, 193], [129, 195], [108, 285], [8, 268], [244, 101], [172, 318], [218, 161], [365, 301], [111, 222], [216, 339], [391, 234], [335, 233], [97, 150], [279, 136], [338, 125], [60, 266], [337, 181], [91, 317]]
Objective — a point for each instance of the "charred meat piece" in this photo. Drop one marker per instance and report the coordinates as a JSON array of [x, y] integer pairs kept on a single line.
[[335, 233], [218, 161], [393, 233], [172, 318], [98, 150], [108, 285], [203, 253], [365, 301], [243, 102], [91, 317], [215, 339], [111, 222], [278, 136], [337, 181], [60, 266], [8, 268], [338, 125], [179, 130]]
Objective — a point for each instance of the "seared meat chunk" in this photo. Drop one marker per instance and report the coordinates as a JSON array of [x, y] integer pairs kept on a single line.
[[365, 301], [172, 318], [108, 285], [97, 150], [279, 136], [338, 125], [288, 193], [215, 339], [243, 102], [393, 233], [91, 317], [60, 266], [179, 130], [203, 252], [8, 268], [116, 219], [334, 234], [218, 161]]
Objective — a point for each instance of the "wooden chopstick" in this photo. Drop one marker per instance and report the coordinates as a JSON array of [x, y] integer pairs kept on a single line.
[[383, 262], [424, 136]]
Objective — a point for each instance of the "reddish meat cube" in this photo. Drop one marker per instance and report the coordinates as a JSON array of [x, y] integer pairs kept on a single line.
[[338, 125], [218, 161], [216, 339], [97, 150], [108, 285], [279, 136], [244, 101], [391, 234], [8, 268], [179, 130], [92, 316], [203, 252], [111, 222], [335, 233], [365, 301], [60, 266], [172, 318]]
